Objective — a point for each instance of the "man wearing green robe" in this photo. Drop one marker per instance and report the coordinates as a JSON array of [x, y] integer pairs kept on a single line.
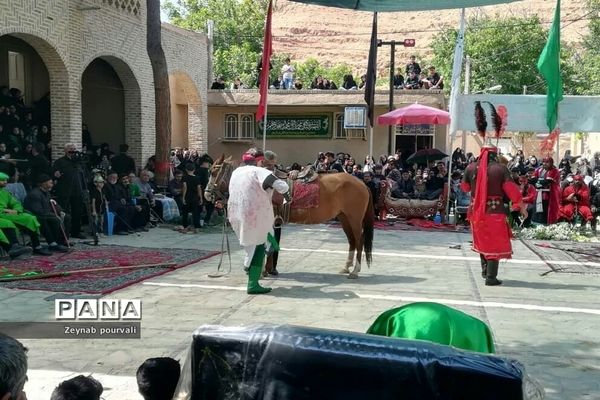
[[9, 241], [12, 210], [436, 323]]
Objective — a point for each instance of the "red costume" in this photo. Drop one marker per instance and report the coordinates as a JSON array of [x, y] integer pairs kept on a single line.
[[491, 232], [489, 183], [552, 193], [576, 199], [528, 192]]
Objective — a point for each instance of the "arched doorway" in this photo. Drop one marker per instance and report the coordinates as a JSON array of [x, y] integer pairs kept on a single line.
[[186, 113], [111, 104], [34, 67]]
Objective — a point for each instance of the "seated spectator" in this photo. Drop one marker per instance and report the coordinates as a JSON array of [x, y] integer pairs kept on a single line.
[[218, 84], [78, 388], [298, 84], [405, 187], [363, 81], [54, 223], [398, 81], [435, 183], [157, 378], [576, 200], [595, 200], [237, 84], [12, 210], [329, 85], [13, 368], [118, 195], [435, 81], [529, 194], [317, 83], [349, 83], [420, 187], [412, 82], [146, 196], [277, 83]]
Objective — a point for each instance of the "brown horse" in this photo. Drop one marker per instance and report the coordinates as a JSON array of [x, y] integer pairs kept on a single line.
[[341, 195]]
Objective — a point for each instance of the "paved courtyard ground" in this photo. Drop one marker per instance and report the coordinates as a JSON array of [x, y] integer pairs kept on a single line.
[[550, 322]]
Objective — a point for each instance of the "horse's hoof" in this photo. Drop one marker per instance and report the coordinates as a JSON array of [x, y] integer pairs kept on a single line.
[[344, 271], [353, 275]]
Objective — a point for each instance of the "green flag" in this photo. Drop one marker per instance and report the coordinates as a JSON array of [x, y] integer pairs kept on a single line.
[[549, 66]]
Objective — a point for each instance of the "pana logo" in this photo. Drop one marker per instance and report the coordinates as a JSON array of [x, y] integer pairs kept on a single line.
[[97, 309]]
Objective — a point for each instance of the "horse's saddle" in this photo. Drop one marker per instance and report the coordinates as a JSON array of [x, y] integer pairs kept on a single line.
[[308, 174]]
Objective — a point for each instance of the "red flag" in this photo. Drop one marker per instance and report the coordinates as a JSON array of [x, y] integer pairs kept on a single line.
[[266, 63]]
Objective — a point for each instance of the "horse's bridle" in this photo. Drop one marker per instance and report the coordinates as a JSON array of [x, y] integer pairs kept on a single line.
[[213, 189]]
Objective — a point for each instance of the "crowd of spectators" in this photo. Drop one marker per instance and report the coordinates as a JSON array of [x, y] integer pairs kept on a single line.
[[157, 378], [412, 78]]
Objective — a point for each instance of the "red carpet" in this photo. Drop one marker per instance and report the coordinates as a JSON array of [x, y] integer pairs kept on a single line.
[[305, 195], [103, 256]]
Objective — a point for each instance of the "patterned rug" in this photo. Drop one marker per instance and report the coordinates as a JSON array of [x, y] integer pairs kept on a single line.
[[103, 256]]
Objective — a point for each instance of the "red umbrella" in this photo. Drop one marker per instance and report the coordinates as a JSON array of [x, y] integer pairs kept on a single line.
[[415, 114]]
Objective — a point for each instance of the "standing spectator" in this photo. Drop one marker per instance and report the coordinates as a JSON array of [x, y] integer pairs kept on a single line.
[[413, 66], [175, 189], [192, 199], [13, 369], [287, 72], [39, 164], [69, 188], [123, 163]]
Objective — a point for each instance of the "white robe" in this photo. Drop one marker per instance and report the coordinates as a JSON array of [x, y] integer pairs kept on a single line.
[[249, 207]]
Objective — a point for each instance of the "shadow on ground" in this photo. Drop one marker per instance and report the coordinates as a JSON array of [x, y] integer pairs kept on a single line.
[[339, 279]]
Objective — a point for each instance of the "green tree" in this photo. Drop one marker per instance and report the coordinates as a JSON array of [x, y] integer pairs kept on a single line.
[[504, 51], [238, 34], [587, 64]]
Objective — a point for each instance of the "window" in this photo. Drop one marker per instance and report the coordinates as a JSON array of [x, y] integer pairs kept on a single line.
[[338, 127], [239, 126]]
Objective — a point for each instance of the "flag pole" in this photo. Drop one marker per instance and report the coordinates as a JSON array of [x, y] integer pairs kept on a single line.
[[455, 87], [371, 140], [264, 138]]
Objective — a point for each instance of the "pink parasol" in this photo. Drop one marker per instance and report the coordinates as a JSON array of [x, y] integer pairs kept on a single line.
[[415, 114]]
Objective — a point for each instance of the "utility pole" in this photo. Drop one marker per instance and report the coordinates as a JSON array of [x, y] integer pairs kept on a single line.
[[392, 44]]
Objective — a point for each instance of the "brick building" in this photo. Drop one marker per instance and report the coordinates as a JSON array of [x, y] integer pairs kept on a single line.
[[90, 56]]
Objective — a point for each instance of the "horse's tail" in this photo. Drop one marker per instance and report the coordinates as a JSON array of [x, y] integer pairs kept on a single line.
[[368, 230]]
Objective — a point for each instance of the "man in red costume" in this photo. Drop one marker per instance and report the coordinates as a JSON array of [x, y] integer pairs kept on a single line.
[[548, 198], [529, 195], [489, 182], [576, 200]]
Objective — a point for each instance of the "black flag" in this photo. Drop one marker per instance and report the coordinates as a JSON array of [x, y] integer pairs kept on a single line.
[[371, 72]]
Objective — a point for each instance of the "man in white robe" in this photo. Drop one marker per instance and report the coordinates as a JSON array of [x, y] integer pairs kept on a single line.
[[250, 212]]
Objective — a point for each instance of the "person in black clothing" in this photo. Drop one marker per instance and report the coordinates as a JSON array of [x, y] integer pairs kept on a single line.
[[333, 165], [218, 84], [39, 164], [373, 187], [175, 189], [116, 196], [405, 187], [435, 183], [123, 164], [69, 188], [49, 215], [413, 66], [192, 199], [203, 173]]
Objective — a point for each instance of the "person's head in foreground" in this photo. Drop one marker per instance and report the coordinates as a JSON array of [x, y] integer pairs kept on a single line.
[[13, 369], [78, 388], [157, 378]]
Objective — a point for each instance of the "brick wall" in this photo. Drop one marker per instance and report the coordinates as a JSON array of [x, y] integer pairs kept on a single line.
[[68, 39]]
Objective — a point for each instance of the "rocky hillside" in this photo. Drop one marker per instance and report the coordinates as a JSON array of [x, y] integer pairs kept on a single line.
[[334, 35]]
